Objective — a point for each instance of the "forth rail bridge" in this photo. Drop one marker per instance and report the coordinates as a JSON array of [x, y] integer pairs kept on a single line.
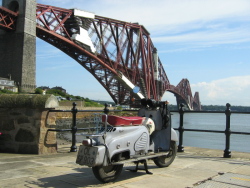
[[120, 55]]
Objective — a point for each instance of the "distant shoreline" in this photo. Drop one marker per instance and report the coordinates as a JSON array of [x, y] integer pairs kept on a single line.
[[218, 108]]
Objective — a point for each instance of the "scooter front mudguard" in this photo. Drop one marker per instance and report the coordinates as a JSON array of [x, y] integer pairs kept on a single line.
[[91, 156], [174, 136]]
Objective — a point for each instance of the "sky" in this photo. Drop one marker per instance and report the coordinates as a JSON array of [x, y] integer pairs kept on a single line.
[[205, 41]]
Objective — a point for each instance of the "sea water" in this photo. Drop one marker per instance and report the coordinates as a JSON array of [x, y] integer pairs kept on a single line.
[[214, 121]]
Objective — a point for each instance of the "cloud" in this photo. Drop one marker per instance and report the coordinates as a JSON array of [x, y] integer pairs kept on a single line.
[[48, 53], [164, 12], [193, 24], [209, 37], [184, 25], [233, 90], [203, 39]]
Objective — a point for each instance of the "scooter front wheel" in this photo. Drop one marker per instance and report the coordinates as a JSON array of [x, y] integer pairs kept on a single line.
[[165, 161], [107, 174]]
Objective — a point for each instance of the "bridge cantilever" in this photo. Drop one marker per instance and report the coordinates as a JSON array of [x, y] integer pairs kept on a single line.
[[105, 47]]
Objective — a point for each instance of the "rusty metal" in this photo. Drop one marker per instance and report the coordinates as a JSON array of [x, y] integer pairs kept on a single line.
[[7, 19], [53, 18], [196, 101], [121, 47]]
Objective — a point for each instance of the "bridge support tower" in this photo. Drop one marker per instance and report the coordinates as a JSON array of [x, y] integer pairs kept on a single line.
[[18, 48]]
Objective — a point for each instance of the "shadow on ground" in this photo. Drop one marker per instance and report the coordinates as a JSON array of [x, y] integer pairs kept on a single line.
[[83, 177]]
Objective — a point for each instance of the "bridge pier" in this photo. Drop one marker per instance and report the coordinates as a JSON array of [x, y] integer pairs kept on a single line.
[[18, 48]]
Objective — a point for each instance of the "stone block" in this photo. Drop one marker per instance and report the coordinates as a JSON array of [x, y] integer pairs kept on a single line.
[[48, 150], [22, 120], [30, 112], [14, 113], [7, 125], [51, 120], [5, 137], [24, 136], [50, 138]]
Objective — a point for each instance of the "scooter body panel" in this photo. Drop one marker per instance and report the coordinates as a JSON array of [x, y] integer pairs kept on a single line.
[[161, 139], [134, 139]]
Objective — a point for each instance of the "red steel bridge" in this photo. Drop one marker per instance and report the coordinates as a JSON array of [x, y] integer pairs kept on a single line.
[[109, 49]]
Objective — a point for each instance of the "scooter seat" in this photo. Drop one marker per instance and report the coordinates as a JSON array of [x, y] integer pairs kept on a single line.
[[123, 120]]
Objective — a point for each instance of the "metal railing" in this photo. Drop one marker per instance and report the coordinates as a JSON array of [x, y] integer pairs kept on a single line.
[[74, 128], [181, 129], [227, 132]]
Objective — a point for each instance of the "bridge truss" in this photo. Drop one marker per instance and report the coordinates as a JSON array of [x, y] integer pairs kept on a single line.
[[7, 19], [116, 48]]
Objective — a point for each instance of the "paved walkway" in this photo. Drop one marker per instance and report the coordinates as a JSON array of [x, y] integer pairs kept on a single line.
[[195, 167]]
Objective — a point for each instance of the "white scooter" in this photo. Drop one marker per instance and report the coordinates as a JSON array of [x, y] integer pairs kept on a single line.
[[120, 140]]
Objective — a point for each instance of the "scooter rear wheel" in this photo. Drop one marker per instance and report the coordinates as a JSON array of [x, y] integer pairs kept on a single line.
[[107, 174], [165, 161]]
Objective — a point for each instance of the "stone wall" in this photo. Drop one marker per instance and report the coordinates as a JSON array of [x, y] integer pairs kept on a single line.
[[24, 124], [25, 120]]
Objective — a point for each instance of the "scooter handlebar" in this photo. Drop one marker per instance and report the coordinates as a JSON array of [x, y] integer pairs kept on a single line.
[[152, 103]]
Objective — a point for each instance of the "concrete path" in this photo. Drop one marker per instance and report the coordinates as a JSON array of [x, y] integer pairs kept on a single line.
[[195, 167]]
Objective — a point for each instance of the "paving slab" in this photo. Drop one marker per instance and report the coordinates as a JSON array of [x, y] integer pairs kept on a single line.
[[227, 180], [196, 167]]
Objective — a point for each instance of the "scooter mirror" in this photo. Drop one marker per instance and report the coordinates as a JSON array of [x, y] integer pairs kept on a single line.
[[136, 89], [144, 102], [152, 103]]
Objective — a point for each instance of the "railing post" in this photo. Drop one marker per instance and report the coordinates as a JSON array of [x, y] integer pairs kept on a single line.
[[181, 129], [227, 152], [73, 128], [106, 110]]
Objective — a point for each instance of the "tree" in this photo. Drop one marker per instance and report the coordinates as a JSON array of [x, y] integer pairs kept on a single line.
[[38, 91]]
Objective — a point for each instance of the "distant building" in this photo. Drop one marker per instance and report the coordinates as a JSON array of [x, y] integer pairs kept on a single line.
[[8, 84], [44, 88], [59, 88]]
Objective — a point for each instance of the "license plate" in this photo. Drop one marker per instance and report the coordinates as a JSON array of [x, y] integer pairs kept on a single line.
[[87, 155]]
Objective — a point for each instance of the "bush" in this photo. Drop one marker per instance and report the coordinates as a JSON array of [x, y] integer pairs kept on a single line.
[[79, 98], [6, 91], [119, 108], [87, 100], [38, 91], [56, 92], [92, 104]]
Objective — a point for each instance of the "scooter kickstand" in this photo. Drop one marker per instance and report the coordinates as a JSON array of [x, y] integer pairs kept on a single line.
[[136, 168], [145, 167]]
